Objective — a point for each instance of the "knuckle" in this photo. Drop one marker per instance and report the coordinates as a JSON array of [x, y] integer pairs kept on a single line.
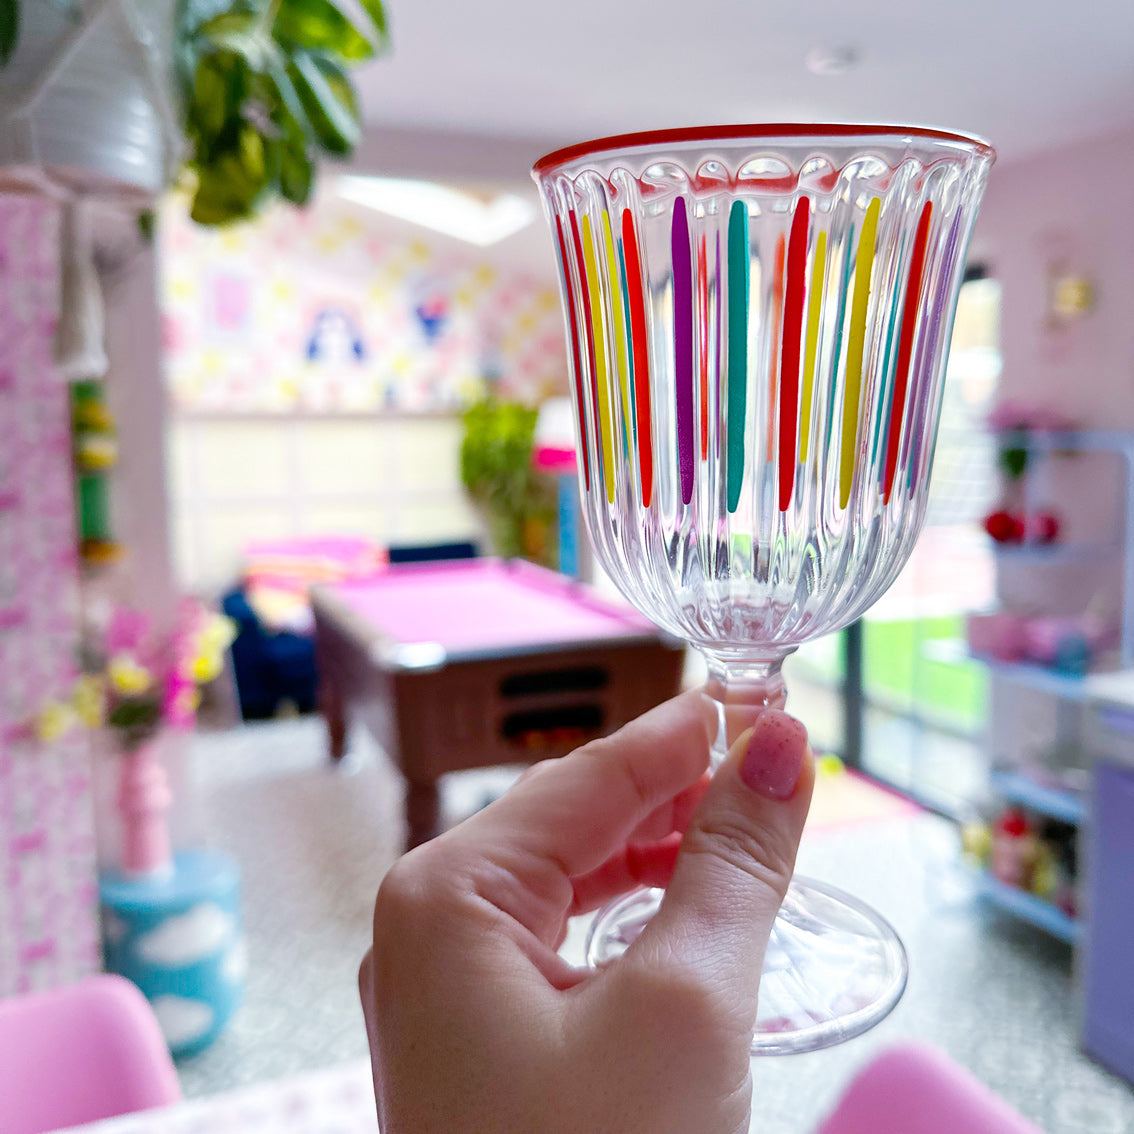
[[614, 753], [765, 854], [404, 893]]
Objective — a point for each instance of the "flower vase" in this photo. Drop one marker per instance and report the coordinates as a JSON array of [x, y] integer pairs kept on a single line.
[[143, 804]]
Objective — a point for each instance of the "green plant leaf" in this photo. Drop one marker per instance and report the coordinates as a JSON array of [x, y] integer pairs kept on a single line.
[[288, 112], [324, 25], [296, 173], [190, 16], [328, 100], [231, 187], [9, 28], [339, 82], [215, 93], [131, 714], [377, 13]]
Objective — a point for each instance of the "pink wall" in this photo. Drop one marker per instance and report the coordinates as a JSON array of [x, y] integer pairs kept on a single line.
[[1071, 209], [47, 864], [1075, 206]]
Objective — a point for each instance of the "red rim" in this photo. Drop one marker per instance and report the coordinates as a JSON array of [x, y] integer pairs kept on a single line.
[[757, 131]]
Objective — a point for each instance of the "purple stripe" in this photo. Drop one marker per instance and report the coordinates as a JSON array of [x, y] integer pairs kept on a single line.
[[928, 352], [683, 344]]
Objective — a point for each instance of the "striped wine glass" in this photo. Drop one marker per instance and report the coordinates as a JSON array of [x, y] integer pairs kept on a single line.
[[758, 320]]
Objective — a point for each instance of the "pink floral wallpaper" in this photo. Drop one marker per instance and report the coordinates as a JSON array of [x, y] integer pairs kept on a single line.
[[48, 931], [329, 309]]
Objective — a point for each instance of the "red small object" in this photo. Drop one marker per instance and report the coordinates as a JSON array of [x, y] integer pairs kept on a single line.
[[1013, 823], [1044, 527], [1004, 527]]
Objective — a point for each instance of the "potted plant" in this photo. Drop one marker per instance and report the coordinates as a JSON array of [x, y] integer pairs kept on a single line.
[[137, 684], [244, 96], [518, 503]]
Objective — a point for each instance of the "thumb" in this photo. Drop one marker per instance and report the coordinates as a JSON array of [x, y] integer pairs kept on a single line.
[[735, 864]]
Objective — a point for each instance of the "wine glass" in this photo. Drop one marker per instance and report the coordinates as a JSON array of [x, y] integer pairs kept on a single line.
[[758, 320]]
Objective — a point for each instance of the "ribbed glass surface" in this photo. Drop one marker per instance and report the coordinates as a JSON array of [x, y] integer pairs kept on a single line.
[[758, 329]]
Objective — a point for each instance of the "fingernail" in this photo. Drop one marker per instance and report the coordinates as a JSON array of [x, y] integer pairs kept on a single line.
[[774, 757]]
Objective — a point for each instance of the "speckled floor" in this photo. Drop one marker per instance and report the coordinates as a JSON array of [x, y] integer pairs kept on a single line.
[[314, 841]]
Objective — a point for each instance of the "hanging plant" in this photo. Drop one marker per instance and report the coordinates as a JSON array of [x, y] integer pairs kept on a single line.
[[264, 91]]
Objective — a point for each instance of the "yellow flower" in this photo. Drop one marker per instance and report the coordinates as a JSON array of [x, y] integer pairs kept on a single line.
[[55, 720], [206, 666], [218, 634], [87, 701], [128, 677]]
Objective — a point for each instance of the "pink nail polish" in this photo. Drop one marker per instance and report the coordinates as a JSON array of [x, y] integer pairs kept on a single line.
[[774, 757]]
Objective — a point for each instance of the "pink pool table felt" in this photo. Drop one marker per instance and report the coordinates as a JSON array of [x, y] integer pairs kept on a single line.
[[484, 605]]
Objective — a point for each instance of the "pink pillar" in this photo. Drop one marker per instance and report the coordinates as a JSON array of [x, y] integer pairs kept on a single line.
[[143, 801]]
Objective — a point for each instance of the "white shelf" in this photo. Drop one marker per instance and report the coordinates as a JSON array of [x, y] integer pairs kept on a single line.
[[1053, 553], [1058, 803], [1071, 441], [1037, 911], [1039, 677]]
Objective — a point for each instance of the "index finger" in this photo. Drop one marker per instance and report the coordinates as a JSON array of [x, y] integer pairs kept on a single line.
[[575, 812]]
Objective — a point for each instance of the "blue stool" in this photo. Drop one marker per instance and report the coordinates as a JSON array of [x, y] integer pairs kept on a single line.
[[179, 938]]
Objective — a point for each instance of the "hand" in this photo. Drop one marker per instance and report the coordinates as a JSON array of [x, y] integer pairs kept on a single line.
[[476, 1023]]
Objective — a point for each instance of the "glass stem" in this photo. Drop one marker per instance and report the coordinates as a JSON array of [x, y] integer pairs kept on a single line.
[[742, 691]]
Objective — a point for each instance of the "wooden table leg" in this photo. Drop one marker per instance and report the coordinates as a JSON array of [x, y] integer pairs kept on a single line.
[[333, 708], [423, 812]]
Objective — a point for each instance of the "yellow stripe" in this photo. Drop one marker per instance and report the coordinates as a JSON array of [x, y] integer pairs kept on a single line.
[[602, 373], [619, 323], [856, 344], [811, 347]]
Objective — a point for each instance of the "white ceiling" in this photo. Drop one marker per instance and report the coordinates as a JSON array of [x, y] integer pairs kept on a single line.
[[1027, 74]]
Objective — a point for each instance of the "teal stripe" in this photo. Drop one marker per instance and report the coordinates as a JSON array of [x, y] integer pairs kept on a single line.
[[629, 346], [738, 296], [887, 385], [843, 292]]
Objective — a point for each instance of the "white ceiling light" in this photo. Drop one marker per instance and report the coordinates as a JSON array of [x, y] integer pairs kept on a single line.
[[442, 208]]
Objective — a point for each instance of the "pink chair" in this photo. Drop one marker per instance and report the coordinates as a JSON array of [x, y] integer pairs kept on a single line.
[[914, 1089], [76, 1054]]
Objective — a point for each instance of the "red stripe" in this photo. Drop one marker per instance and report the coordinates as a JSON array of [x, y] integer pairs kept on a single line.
[[789, 359], [905, 348], [641, 355], [581, 266], [576, 357]]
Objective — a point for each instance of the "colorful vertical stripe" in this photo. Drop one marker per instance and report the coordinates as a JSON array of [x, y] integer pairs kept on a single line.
[[774, 354], [584, 290], [631, 430], [792, 341], [602, 369], [811, 350], [856, 349], [681, 253], [914, 287], [641, 351], [944, 295], [617, 289], [576, 357], [885, 397], [703, 340], [840, 312], [739, 277]]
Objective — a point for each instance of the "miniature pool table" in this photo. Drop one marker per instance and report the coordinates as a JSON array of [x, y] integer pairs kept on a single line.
[[473, 663]]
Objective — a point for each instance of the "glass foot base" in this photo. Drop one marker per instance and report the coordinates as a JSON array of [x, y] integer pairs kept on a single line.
[[834, 968]]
